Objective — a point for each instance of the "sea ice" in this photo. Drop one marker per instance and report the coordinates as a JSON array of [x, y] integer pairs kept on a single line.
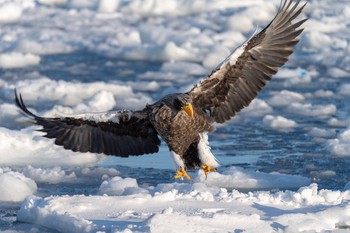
[[53, 175], [340, 146], [166, 46], [18, 60], [10, 12], [14, 186], [278, 122], [201, 207], [285, 97], [256, 108], [117, 186], [23, 147], [344, 90], [318, 111]]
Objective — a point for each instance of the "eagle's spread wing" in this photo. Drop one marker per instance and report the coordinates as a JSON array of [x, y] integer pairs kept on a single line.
[[245, 72], [120, 133]]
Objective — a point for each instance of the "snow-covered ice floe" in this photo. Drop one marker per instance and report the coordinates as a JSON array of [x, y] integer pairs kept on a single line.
[[194, 207], [340, 146]]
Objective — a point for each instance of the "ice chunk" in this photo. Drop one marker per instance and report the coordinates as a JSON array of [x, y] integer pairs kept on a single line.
[[325, 133], [108, 6], [285, 97], [344, 90], [337, 72], [10, 12], [256, 108], [278, 122], [15, 186], [119, 186], [340, 146], [102, 101], [53, 175], [18, 60], [238, 178], [320, 111], [43, 47], [23, 147]]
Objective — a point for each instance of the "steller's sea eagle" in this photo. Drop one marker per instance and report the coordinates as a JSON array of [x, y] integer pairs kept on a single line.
[[183, 120]]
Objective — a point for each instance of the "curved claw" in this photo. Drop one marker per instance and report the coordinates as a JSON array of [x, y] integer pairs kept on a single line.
[[206, 168], [181, 173]]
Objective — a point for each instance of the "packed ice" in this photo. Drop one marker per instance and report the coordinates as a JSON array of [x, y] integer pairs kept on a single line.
[[284, 159]]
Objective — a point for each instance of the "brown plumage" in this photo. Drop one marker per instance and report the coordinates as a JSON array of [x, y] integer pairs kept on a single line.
[[182, 119]]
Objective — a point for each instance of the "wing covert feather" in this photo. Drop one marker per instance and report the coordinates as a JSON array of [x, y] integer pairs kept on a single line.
[[244, 73]]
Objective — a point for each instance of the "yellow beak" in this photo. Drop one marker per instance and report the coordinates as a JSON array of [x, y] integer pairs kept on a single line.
[[189, 110]]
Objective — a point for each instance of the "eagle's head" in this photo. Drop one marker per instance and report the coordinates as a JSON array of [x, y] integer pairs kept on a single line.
[[180, 102]]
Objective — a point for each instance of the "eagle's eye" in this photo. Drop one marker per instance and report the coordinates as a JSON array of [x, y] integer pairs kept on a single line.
[[178, 103]]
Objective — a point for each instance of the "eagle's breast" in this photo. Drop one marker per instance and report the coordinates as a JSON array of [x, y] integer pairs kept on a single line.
[[176, 129]]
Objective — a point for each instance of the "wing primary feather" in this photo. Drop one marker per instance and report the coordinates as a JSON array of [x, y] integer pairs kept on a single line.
[[76, 133]]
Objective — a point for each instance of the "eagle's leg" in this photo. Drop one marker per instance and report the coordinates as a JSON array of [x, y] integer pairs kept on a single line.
[[180, 173], [206, 168]]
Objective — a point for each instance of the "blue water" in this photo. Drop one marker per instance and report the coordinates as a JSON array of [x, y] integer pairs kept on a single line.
[[246, 143]]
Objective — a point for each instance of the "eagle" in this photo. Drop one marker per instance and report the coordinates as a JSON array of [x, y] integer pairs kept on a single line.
[[183, 120]]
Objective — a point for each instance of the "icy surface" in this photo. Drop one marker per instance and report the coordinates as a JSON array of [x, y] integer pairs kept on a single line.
[[203, 208], [15, 186], [284, 159]]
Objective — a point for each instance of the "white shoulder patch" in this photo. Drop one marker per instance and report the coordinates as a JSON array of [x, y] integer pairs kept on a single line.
[[115, 116], [204, 151]]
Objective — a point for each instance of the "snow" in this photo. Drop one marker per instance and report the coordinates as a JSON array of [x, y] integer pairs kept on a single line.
[[10, 12], [85, 97], [338, 123], [108, 6], [18, 60], [278, 122], [203, 208], [285, 98], [236, 178], [284, 159], [256, 108], [43, 47], [14, 186], [24, 147], [53, 175], [340, 146], [323, 93], [344, 90], [317, 132], [102, 101], [318, 111], [117, 186], [337, 72]]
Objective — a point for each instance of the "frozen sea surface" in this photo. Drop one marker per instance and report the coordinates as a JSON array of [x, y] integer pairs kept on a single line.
[[284, 160]]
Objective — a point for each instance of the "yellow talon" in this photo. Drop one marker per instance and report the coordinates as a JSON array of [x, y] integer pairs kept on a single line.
[[206, 168], [182, 173]]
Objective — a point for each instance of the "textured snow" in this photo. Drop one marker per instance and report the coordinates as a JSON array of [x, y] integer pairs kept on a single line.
[[203, 208]]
